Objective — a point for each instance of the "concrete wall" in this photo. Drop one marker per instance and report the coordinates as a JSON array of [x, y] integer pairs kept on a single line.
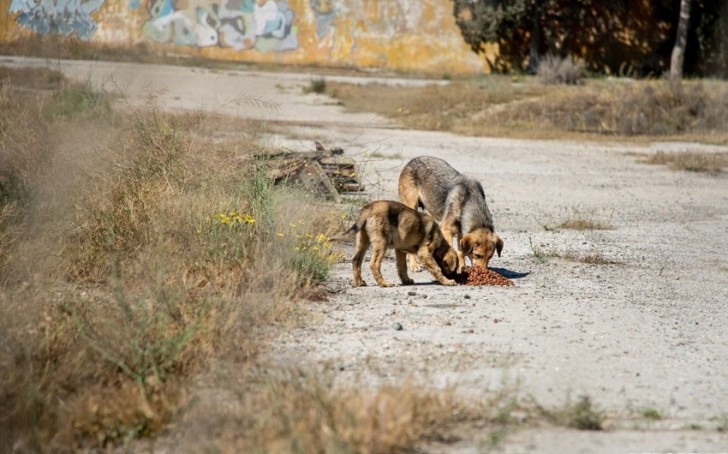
[[416, 35]]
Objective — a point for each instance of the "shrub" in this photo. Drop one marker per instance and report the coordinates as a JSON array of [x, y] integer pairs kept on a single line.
[[581, 415], [556, 70], [316, 85]]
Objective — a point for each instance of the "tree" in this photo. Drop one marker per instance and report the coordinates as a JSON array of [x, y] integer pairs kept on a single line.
[[678, 51], [615, 37], [501, 22], [525, 30]]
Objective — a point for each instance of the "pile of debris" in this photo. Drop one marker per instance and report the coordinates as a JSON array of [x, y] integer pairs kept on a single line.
[[324, 172]]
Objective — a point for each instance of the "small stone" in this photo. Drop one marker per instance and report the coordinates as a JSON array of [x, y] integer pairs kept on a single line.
[[467, 297], [398, 327]]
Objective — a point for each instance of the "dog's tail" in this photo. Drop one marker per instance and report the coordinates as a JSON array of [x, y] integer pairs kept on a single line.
[[346, 236], [354, 229]]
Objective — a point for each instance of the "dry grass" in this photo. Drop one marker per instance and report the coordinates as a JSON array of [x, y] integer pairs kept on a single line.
[[580, 220], [584, 224], [135, 248], [307, 414], [498, 106], [31, 78], [434, 107], [592, 258], [581, 415], [53, 47], [691, 161], [284, 410]]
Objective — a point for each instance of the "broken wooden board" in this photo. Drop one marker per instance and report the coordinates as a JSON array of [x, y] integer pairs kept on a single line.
[[313, 178], [324, 172]]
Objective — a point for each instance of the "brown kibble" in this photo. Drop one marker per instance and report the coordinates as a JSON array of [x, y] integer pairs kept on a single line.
[[477, 275]]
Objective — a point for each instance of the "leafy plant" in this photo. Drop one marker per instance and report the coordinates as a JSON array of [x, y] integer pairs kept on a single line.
[[316, 85], [582, 415], [651, 414], [78, 100], [314, 257]]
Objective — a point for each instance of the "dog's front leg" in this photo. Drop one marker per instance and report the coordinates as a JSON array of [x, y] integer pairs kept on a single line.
[[425, 256], [461, 260], [449, 233], [413, 265], [402, 268]]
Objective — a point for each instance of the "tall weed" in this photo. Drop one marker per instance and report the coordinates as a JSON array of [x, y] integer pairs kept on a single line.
[[24, 147], [120, 216]]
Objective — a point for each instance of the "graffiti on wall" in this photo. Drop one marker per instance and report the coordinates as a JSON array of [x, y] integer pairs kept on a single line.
[[238, 24], [58, 17], [324, 11], [388, 17]]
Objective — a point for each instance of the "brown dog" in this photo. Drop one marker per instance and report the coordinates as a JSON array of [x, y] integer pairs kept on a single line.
[[387, 224], [457, 202]]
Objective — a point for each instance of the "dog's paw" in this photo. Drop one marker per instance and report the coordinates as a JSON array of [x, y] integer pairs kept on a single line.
[[360, 284], [413, 265], [407, 282], [385, 284], [449, 282]]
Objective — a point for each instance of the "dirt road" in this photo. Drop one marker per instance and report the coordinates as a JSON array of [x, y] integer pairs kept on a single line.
[[642, 331]]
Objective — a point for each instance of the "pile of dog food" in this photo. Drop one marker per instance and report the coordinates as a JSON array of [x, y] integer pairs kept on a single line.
[[477, 275]]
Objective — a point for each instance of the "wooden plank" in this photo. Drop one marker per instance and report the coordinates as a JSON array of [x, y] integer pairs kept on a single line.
[[324, 172], [314, 179]]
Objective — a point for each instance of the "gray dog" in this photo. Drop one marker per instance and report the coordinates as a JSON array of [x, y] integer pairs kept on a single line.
[[457, 202]]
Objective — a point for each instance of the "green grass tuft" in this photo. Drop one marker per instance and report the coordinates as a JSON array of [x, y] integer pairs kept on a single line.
[[80, 100]]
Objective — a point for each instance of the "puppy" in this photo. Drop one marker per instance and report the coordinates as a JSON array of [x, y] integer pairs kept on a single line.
[[457, 202], [387, 224]]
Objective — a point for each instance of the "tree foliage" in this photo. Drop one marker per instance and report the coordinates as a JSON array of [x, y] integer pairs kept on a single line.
[[618, 36]]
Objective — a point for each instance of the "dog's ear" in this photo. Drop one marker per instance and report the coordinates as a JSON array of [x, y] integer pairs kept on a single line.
[[498, 245], [466, 245]]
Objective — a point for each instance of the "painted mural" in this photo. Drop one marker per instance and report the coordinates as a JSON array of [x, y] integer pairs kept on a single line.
[[238, 24], [57, 17], [418, 35], [324, 11]]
